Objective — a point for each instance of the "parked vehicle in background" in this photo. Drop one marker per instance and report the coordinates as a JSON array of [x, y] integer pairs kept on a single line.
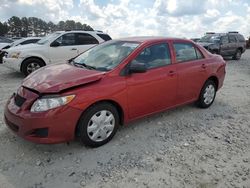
[[57, 47], [16, 38], [23, 41], [5, 40], [111, 84], [231, 44], [195, 39]]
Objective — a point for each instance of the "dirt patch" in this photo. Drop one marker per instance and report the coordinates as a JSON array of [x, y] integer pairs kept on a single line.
[[183, 147]]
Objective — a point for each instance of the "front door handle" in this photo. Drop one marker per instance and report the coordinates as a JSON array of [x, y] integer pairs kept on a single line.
[[73, 49], [171, 73]]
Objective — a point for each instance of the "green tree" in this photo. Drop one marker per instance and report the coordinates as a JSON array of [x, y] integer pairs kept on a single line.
[[15, 25], [78, 26], [70, 25], [25, 27], [3, 29], [61, 25], [51, 27], [87, 27]]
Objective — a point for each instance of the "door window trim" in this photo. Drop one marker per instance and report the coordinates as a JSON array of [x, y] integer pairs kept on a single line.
[[157, 43], [196, 49]]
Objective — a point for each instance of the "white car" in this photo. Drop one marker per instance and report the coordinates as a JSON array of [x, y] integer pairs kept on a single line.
[[23, 41], [57, 47]]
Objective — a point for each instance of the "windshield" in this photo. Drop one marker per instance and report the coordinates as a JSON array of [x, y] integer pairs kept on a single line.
[[48, 38], [106, 56], [210, 38]]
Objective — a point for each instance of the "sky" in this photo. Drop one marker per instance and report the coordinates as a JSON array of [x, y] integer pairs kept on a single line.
[[122, 18]]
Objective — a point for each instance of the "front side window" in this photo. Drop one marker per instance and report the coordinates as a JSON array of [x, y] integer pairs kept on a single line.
[[106, 56], [186, 52], [224, 40], [66, 39], [85, 39], [48, 38], [155, 56], [232, 39]]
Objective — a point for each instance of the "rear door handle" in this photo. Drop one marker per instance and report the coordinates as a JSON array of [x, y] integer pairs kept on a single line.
[[73, 49], [171, 73]]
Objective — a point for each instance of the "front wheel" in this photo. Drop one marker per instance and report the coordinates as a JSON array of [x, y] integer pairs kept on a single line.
[[207, 95], [98, 124], [30, 65]]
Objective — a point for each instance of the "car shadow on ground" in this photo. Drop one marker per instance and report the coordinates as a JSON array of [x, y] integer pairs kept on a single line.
[[13, 75], [144, 130]]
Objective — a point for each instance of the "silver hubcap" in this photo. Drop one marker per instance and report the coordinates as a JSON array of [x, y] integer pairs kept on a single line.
[[238, 54], [101, 125], [32, 67], [209, 94]]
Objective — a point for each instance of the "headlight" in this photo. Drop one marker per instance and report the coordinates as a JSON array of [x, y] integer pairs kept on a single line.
[[47, 103], [14, 54]]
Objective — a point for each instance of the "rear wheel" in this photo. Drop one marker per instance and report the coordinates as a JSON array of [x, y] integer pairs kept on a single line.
[[207, 95], [98, 124], [237, 55], [30, 65]]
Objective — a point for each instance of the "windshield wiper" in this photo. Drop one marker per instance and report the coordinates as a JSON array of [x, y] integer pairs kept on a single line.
[[83, 65]]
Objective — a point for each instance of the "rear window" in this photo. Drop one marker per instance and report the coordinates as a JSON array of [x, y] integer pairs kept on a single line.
[[104, 37]]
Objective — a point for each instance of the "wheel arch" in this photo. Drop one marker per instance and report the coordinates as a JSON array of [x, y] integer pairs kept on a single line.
[[31, 57], [240, 48], [215, 80], [119, 108]]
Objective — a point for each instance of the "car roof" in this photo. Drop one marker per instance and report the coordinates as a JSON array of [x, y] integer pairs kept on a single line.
[[81, 31], [143, 39]]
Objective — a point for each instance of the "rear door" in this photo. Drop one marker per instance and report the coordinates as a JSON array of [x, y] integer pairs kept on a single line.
[[224, 46], [191, 69], [232, 44], [66, 50], [155, 89]]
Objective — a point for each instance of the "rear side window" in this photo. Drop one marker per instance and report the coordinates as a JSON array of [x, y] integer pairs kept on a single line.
[[241, 38], [186, 52], [157, 55], [232, 39], [105, 37], [85, 39]]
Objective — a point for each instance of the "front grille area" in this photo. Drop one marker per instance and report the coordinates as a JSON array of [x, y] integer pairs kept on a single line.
[[19, 100], [11, 125]]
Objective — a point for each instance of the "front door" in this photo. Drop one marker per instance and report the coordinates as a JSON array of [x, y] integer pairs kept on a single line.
[[66, 50], [155, 89]]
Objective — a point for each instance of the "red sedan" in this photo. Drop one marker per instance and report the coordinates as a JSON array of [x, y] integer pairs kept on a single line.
[[111, 84]]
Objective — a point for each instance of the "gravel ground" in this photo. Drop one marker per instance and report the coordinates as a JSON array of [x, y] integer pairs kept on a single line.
[[184, 147]]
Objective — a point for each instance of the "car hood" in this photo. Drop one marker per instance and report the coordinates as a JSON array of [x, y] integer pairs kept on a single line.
[[2, 45], [21, 48], [56, 78]]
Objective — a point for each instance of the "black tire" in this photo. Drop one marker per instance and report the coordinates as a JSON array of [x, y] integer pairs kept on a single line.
[[27, 63], [202, 100], [237, 54], [85, 121]]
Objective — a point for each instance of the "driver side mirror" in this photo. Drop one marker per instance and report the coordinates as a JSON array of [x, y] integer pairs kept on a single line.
[[55, 44], [136, 67]]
